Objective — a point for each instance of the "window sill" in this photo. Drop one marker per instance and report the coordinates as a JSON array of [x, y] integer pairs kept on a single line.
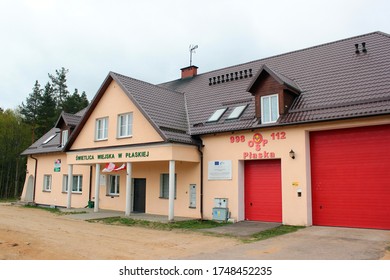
[[47, 191], [78, 193], [124, 137], [101, 140], [161, 197], [112, 195]]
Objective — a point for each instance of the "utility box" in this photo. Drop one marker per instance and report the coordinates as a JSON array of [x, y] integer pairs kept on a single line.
[[220, 214], [221, 202]]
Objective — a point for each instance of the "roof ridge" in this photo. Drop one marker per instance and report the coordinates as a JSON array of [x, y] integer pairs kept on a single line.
[[291, 52], [147, 83]]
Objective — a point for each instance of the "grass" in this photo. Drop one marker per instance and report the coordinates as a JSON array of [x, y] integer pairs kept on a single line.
[[55, 210], [193, 225], [184, 225], [6, 200], [280, 230]]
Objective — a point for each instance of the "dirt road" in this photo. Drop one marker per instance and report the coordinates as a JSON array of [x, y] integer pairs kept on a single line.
[[34, 234]]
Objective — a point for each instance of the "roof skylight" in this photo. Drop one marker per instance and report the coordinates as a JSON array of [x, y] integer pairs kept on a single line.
[[49, 139], [237, 112], [217, 115]]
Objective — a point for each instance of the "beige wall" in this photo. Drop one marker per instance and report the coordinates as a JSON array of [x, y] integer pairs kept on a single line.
[[56, 196], [277, 143], [187, 173], [113, 103]]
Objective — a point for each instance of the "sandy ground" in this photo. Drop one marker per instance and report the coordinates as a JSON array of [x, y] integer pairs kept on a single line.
[[34, 234]]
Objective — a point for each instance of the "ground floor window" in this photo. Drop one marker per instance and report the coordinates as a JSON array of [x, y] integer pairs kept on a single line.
[[113, 184], [164, 185], [77, 183], [47, 183]]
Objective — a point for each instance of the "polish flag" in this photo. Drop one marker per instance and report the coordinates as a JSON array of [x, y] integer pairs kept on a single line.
[[123, 166], [109, 167]]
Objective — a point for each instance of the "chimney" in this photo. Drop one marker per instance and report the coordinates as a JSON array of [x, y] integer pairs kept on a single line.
[[189, 72]]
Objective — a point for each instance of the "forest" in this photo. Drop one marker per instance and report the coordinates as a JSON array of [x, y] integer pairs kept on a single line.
[[21, 127]]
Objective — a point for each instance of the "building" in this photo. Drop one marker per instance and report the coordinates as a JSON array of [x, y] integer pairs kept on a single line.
[[301, 138]]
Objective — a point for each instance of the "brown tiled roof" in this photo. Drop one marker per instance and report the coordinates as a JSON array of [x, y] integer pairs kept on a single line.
[[334, 81], [48, 143]]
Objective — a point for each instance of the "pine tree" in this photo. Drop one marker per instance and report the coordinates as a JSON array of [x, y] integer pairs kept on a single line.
[[47, 111], [30, 110], [60, 87], [75, 102]]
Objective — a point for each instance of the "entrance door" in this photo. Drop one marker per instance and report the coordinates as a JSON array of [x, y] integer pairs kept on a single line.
[[139, 195], [263, 190], [350, 177]]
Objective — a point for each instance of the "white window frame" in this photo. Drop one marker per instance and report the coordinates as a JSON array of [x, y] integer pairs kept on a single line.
[[272, 114], [64, 137], [113, 190], [101, 130], [217, 115], [77, 183], [47, 179], [125, 125], [164, 185]]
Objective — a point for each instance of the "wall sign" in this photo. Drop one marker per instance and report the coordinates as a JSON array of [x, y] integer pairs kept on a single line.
[[220, 170], [57, 165], [114, 156], [257, 144]]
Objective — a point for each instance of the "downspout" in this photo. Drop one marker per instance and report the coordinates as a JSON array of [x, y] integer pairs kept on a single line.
[[200, 146], [35, 176]]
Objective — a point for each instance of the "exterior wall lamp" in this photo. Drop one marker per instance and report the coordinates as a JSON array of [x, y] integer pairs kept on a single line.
[[292, 154]]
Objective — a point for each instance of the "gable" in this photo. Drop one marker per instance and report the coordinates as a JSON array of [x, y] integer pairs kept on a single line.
[[113, 102]]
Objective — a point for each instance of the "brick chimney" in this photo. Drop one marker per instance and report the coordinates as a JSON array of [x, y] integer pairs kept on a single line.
[[189, 72]]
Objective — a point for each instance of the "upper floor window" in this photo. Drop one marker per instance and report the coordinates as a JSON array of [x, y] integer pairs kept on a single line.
[[64, 137], [125, 125], [269, 108], [101, 132]]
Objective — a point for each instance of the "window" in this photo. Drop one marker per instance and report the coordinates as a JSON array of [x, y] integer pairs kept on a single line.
[[113, 184], [49, 139], [217, 115], [77, 183], [125, 125], [237, 112], [101, 129], [269, 108], [47, 183], [64, 137], [164, 185]]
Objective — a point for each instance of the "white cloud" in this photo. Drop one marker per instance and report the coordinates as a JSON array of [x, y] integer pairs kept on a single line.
[[149, 39]]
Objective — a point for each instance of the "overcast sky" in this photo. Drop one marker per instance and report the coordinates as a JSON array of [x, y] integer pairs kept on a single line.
[[149, 39]]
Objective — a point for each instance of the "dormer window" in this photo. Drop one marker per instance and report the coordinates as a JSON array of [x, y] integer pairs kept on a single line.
[[64, 137], [269, 108]]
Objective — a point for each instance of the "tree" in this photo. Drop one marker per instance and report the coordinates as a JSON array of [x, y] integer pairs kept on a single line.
[[31, 108], [47, 111], [75, 102], [14, 138], [60, 87]]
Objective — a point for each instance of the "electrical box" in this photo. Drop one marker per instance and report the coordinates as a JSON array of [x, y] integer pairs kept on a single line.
[[220, 214], [221, 202]]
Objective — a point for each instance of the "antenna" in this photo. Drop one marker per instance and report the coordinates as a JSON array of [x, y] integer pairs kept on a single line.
[[192, 50]]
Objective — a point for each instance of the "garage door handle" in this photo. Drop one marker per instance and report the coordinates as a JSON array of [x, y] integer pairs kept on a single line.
[[250, 204], [320, 206]]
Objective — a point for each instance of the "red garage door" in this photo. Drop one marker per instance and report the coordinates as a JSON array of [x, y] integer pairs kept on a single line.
[[263, 191], [350, 171]]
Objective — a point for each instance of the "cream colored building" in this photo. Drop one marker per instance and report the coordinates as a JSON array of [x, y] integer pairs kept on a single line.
[[301, 138]]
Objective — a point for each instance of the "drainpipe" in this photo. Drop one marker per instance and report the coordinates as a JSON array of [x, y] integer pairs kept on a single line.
[[35, 175], [200, 146]]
